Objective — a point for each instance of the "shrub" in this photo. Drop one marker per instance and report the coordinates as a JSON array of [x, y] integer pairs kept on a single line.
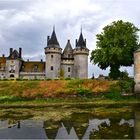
[[75, 83], [19, 79], [48, 79], [67, 78], [83, 92], [113, 94], [124, 75], [5, 79], [127, 86]]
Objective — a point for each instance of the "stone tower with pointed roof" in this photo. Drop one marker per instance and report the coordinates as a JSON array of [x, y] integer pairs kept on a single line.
[[73, 62], [53, 57], [81, 53]]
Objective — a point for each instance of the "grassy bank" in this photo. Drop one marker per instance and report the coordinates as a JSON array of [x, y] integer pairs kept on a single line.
[[66, 92]]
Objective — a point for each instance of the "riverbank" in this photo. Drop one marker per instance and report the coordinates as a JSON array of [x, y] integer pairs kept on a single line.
[[66, 92]]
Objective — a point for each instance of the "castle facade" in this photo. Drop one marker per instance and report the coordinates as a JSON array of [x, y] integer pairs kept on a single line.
[[67, 63]]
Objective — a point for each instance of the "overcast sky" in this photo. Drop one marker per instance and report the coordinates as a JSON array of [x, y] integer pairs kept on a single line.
[[26, 23]]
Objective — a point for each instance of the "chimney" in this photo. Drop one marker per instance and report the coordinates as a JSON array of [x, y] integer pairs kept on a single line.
[[41, 60], [27, 60], [76, 42], [11, 50], [20, 52], [48, 38], [3, 55]]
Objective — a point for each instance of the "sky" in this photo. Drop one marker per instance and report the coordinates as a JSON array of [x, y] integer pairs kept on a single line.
[[27, 23]]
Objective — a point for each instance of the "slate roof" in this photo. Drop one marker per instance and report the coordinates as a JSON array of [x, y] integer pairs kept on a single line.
[[68, 48], [53, 40], [14, 55], [68, 51], [2, 63], [81, 42], [30, 66]]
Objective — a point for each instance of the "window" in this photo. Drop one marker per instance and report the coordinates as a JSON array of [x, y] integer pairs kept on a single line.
[[51, 67], [35, 68], [51, 56], [68, 69], [12, 76], [68, 55], [68, 75]]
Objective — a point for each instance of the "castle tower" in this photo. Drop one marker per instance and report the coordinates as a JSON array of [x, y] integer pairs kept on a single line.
[[13, 63], [67, 60], [81, 53], [53, 57], [137, 70]]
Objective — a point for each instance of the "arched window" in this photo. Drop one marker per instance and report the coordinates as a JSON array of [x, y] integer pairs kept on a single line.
[[12, 76]]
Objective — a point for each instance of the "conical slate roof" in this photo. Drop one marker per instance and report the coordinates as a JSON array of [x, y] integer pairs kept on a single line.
[[68, 48], [81, 42], [68, 51], [53, 40]]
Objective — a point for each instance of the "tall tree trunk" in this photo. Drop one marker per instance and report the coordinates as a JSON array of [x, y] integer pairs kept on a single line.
[[114, 72]]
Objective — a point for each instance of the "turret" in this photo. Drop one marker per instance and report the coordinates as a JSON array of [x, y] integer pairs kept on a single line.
[[81, 53], [53, 56], [67, 62]]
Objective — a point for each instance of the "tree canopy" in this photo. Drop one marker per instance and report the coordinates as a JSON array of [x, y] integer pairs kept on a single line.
[[115, 46]]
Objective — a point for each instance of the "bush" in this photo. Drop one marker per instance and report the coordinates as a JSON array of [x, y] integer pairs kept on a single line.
[[83, 92], [68, 78], [113, 94], [19, 79], [48, 79], [124, 75], [127, 86], [5, 79], [76, 83]]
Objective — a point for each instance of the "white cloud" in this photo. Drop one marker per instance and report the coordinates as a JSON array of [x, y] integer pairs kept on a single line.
[[26, 23]]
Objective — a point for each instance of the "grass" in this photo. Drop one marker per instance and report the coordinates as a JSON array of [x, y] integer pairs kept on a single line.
[[72, 91]]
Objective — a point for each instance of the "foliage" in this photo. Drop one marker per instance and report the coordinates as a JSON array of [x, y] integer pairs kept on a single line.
[[124, 75], [113, 94], [63, 89], [126, 86], [68, 78], [83, 92], [115, 47]]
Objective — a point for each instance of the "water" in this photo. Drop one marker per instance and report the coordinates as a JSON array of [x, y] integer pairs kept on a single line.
[[70, 122]]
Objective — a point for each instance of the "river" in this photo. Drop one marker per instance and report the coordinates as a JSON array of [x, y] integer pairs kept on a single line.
[[71, 122]]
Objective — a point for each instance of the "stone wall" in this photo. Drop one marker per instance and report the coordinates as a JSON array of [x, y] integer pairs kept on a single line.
[[12, 68], [68, 67], [81, 63], [137, 71], [53, 61]]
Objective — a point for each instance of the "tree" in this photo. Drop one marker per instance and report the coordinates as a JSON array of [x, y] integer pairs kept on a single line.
[[115, 47]]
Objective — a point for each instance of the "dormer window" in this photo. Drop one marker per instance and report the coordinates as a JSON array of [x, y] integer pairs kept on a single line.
[[35, 68]]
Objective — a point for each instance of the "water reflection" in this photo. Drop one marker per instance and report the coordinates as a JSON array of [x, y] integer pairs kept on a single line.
[[26, 129], [124, 125]]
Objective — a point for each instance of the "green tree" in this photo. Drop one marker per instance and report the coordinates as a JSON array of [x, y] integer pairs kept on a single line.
[[115, 47]]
